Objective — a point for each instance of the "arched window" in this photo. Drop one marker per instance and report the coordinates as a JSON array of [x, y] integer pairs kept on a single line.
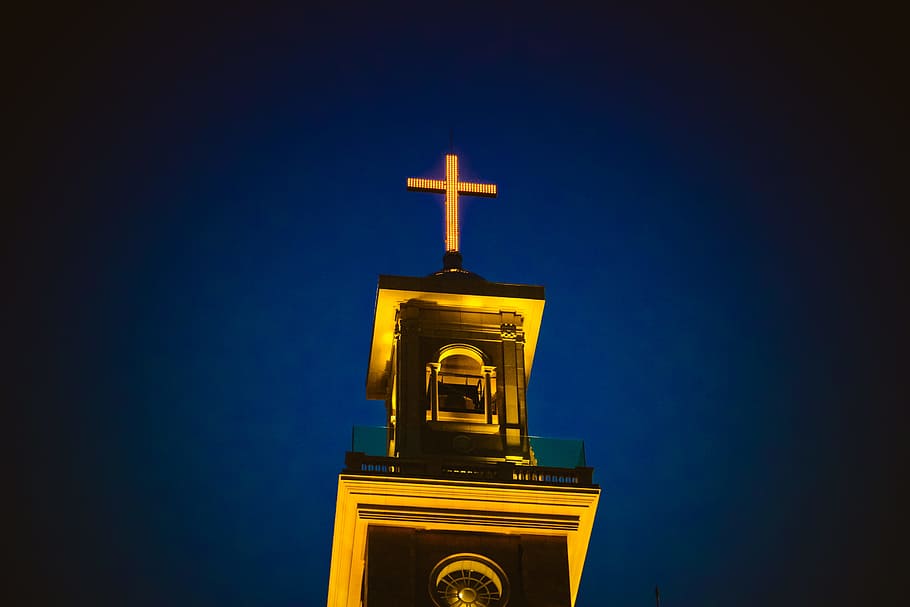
[[460, 386], [468, 580]]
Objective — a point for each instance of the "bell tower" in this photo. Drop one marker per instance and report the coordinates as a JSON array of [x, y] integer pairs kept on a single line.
[[454, 503], [451, 355]]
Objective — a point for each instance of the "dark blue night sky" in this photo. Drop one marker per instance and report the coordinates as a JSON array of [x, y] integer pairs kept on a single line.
[[207, 199]]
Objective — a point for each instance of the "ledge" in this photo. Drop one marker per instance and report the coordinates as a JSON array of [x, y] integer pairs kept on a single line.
[[499, 472]]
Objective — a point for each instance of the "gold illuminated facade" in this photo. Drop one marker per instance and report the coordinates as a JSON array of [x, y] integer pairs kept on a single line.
[[453, 503]]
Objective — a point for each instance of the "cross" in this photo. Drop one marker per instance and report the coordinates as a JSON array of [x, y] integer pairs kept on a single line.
[[451, 187]]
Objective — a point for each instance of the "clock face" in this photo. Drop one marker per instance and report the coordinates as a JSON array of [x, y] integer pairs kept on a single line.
[[468, 580]]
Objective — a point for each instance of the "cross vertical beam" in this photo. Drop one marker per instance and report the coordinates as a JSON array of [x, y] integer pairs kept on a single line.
[[452, 231], [451, 187]]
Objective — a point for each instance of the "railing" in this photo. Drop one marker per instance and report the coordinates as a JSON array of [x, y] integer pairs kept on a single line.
[[548, 452], [500, 472]]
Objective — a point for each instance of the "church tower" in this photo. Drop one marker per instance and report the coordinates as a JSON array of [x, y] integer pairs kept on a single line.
[[453, 503]]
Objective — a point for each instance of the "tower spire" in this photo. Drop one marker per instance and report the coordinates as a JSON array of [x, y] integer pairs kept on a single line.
[[451, 187]]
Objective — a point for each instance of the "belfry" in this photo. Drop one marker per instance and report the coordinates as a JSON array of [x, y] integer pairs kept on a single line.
[[453, 503]]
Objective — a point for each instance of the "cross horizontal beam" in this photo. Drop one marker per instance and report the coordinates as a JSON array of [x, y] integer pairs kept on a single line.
[[438, 186], [434, 186], [484, 190]]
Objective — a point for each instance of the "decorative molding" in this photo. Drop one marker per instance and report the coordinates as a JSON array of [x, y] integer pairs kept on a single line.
[[433, 517]]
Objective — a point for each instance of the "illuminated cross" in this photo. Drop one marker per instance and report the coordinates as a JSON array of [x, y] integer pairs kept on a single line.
[[451, 187]]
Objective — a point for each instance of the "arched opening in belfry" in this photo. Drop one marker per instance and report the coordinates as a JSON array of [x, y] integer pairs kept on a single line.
[[460, 386]]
